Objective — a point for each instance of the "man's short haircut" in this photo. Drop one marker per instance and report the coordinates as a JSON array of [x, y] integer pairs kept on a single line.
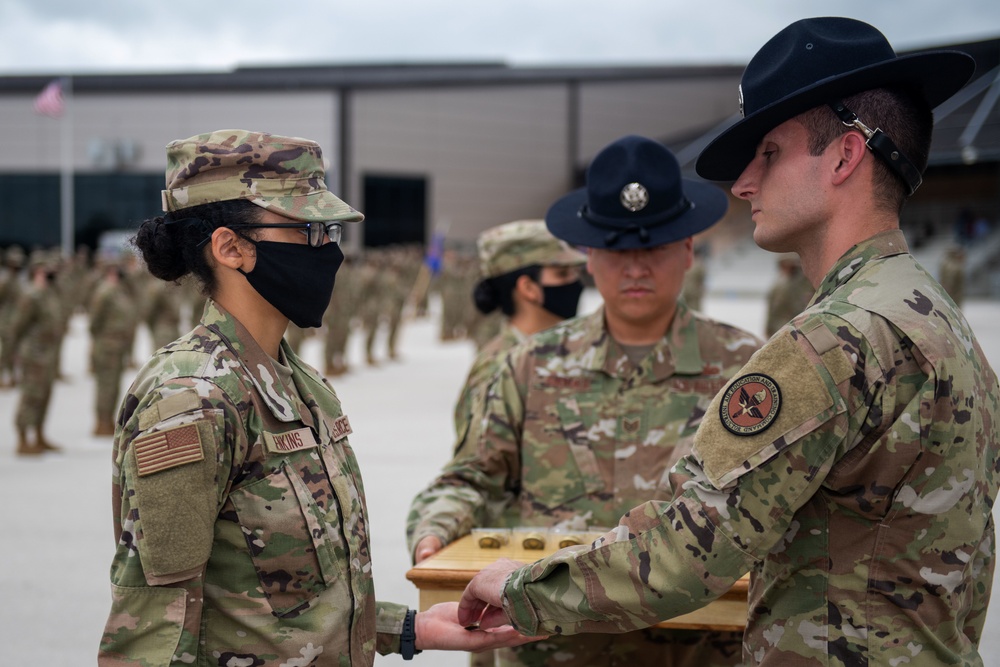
[[901, 114]]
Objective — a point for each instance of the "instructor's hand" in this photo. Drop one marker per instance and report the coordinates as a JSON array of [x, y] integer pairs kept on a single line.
[[438, 628], [481, 601]]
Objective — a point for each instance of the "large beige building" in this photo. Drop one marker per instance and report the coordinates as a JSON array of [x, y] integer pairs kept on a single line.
[[420, 148]]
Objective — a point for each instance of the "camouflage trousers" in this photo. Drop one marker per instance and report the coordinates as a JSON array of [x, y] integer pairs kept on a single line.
[[108, 362], [452, 315], [394, 324], [650, 647], [369, 322], [38, 374], [6, 354], [335, 345]]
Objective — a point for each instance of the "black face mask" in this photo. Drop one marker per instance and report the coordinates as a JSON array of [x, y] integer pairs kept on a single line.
[[562, 300], [296, 278]]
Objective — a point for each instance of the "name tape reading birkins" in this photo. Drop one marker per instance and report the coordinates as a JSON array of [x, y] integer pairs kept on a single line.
[[289, 441]]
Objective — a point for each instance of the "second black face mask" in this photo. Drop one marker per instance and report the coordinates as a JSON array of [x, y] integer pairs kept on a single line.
[[562, 300], [296, 278]]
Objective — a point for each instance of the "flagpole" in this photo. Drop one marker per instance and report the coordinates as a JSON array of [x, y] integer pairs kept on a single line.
[[66, 171]]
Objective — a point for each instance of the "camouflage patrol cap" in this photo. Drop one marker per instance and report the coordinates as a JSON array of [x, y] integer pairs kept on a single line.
[[14, 256], [44, 259], [281, 174], [515, 245]]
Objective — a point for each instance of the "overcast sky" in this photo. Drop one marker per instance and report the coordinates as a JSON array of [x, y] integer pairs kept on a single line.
[[69, 36]]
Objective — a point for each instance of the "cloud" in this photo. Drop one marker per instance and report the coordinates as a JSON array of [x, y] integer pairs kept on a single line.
[[59, 36]]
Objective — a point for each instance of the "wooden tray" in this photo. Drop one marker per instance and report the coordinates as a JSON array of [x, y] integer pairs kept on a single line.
[[443, 577]]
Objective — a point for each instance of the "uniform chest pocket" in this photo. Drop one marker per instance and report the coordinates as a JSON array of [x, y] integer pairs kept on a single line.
[[561, 463], [293, 542]]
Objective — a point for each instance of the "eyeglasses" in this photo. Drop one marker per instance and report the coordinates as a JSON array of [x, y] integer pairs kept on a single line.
[[316, 232]]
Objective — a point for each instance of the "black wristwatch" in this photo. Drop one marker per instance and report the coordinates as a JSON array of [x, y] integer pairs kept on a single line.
[[408, 637]]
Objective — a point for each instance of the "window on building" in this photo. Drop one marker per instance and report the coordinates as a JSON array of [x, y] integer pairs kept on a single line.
[[395, 209]]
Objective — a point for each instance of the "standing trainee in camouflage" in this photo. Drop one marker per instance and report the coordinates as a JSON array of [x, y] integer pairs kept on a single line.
[[851, 466], [242, 533], [533, 279], [10, 293], [112, 323], [584, 420], [550, 269], [37, 333]]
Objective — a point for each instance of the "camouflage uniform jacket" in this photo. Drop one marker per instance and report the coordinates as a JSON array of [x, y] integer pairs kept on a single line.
[[576, 434], [239, 514], [470, 404], [37, 326], [863, 511], [111, 315], [488, 361]]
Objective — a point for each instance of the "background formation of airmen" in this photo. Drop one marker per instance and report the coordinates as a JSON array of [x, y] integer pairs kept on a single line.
[[40, 290]]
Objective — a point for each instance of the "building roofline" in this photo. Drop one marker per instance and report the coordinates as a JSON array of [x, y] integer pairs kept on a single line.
[[363, 76]]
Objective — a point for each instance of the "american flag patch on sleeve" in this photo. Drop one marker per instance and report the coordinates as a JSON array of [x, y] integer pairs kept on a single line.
[[167, 449]]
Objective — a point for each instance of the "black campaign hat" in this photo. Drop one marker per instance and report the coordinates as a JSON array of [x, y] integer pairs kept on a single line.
[[635, 198], [816, 62]]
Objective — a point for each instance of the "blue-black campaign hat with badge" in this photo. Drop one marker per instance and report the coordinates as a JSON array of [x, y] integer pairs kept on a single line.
[[819, 61], [635, 198]]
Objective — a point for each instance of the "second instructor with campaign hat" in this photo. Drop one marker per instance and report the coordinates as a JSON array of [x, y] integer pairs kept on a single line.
[[635, 197]]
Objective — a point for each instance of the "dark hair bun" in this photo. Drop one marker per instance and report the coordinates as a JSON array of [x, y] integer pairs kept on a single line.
[[161, 247], [486, 296]]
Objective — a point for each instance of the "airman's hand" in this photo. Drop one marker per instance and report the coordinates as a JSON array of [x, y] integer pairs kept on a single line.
[[426, 548]]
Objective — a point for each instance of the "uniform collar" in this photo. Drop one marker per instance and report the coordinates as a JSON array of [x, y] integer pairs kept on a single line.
[[676, 353], [255, 361], [512, 335], [883, 244]]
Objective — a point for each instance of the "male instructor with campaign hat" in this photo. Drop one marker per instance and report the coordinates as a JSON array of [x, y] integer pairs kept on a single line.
[[851, 465], [584, 420]]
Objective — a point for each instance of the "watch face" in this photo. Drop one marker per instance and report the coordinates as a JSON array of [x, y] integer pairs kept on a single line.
[[634, 197]]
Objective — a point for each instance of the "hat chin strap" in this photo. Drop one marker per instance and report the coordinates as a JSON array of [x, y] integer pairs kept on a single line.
[[882, 146]]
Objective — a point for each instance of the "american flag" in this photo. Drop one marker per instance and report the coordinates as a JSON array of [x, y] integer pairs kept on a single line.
[[50, 102], [167, 449]]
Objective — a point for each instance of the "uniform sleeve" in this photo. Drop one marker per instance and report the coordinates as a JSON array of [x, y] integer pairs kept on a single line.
[[389, 618], [738, 493], [24, 315], [172, 466], [98, 312], [482, 478]]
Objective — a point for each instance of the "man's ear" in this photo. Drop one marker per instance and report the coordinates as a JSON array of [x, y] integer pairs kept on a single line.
[[689, 254], [231, 251], [850, 150]]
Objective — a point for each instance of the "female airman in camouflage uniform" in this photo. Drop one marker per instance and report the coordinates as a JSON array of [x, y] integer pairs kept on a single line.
[[242, 534]]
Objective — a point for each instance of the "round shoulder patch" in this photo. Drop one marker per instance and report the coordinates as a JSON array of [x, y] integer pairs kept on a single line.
[[750, 404]]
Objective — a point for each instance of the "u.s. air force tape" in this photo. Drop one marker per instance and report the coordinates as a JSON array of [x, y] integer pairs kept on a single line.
[[750, 404]]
